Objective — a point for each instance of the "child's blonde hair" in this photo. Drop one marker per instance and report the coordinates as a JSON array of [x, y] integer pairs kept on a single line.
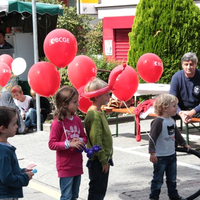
[[163, 101], [32, 92], [95, 84]]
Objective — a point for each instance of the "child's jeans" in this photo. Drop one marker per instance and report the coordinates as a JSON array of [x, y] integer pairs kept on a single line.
[[10, 199], [98, 180], [165, 164], [69, 187]]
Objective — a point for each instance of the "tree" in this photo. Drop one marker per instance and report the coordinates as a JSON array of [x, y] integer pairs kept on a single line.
[[78, 25], [95, 40], [168, 28]]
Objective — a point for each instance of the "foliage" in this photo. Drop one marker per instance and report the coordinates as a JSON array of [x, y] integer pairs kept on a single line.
[[168, 28], [95, 40], [78, 25]]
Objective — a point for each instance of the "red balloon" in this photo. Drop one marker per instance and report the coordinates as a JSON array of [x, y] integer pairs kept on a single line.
[[6, 59], [84, 103], [150, 67], [5, 74], [44, 78], [60, 47], [126, 83], [81, 70]]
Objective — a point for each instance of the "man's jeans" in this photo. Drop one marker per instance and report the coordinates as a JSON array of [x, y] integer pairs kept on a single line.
[[31, 118], [69, 187], [165, 164]]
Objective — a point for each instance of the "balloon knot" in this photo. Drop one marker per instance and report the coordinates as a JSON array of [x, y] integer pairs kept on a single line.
[[124, 66]]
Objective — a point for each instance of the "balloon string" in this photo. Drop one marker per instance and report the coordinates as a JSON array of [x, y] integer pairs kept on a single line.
[[61, 73], [146, 132], [126, 106]]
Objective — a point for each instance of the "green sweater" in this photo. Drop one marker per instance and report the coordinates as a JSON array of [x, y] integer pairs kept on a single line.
[[99, 133]]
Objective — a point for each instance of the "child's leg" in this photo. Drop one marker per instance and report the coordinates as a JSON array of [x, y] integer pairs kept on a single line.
[[75, 187], [98, 182], [66, 188], [171, 173], [158, 174]]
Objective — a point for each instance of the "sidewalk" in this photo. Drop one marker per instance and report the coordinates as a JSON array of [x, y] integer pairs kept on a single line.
[[129, 178]]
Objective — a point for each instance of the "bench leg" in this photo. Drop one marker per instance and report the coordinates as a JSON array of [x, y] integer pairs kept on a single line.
[[187, 133], [117, 123]]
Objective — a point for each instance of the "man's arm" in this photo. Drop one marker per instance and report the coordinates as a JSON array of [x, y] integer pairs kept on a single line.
[[174, 89]]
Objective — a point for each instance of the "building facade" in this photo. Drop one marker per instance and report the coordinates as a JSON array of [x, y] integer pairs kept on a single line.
[[118, 18]]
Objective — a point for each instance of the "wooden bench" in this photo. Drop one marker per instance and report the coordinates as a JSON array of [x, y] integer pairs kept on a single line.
[[130, 110], [116, 111]]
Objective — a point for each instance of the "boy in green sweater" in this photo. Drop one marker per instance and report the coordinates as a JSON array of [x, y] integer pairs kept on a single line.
[[98, 133]]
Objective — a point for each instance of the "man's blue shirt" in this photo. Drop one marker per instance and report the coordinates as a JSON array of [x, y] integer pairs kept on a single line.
[[187, 90]]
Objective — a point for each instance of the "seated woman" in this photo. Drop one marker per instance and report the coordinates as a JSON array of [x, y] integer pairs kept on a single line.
[[6, 99]]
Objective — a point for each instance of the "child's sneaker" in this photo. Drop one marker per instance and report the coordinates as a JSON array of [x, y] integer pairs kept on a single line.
[[154, 198]]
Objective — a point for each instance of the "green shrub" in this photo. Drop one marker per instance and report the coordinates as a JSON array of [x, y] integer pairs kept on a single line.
[[167, 28]]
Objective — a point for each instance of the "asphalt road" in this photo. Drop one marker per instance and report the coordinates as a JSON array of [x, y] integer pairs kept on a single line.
[[130, 176]]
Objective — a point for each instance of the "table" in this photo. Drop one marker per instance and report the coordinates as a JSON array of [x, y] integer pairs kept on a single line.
[[151, 89]]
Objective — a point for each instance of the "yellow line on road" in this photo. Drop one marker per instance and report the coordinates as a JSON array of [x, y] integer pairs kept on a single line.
[[44, 190]]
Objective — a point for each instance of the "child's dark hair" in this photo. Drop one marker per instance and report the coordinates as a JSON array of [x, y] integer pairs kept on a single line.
[[63, 97], [6, 115]]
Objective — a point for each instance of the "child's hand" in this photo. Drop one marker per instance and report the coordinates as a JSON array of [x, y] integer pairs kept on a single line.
[[30, 174], [187, 147], [105, 168], [77, 144], [153, 158], [75, 139], [28, 170]]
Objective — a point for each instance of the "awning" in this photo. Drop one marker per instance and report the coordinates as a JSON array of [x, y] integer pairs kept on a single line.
[[10, 6]]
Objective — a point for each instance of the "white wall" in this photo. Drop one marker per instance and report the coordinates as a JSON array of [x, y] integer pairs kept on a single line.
[[115, 8], [115, 2]]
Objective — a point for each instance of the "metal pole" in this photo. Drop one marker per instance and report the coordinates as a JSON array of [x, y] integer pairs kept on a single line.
[[35, 46]]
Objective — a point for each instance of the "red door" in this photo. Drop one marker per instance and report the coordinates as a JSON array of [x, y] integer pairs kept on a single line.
[[121, 44]]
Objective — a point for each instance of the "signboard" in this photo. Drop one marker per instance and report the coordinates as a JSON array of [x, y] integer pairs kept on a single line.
[[108, 47]]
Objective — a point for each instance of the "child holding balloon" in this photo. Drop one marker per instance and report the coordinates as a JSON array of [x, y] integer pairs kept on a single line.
[[12, 177], [98, 133], [66, 137]]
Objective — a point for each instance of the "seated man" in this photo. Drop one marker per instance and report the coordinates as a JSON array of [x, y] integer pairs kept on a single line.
[[185, 85], [3, 43]]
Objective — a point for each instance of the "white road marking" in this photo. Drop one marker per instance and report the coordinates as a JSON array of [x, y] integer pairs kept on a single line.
[[45, 190], [147, 155]]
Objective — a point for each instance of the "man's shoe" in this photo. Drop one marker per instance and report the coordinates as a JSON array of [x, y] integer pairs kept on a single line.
[[178, 198]]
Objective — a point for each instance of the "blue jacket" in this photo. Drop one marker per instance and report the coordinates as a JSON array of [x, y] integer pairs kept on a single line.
[[12, 178], [187, 90]]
